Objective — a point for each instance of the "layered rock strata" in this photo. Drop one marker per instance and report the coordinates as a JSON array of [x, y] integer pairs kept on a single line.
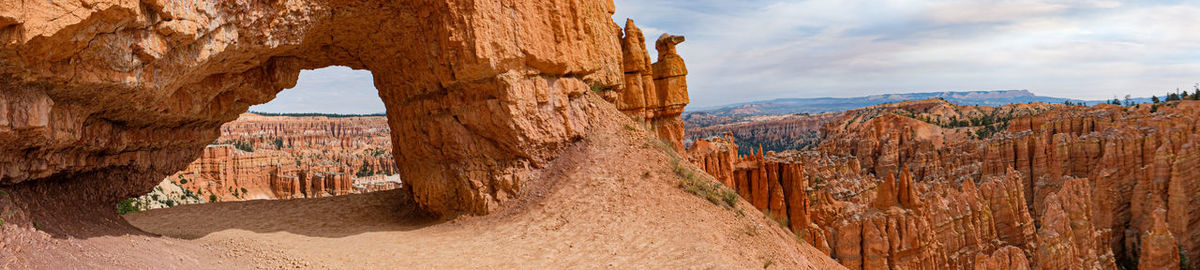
[[653, 93], [281, 157], [101, 100], [771, 132], [967, 187]]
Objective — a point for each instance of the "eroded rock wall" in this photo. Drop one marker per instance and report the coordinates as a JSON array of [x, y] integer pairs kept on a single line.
[[1036, 185], [103, 99], [281, 157]]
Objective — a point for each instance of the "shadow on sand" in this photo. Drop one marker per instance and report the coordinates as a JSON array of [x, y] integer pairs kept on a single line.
[[332, 217]]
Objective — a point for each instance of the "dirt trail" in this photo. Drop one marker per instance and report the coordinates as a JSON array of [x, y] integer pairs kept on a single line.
[[611, 201]]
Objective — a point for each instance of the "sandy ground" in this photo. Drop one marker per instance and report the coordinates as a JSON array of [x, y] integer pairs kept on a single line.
[[611, 201]]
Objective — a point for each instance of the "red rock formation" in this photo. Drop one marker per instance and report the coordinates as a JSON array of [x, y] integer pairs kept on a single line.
[[1013, 224], [1007, 258], [656, 93], [1090, 176], [291, 157], [783, 130], [1160, 250], [1067, 224], [102, 100], [717, 158]]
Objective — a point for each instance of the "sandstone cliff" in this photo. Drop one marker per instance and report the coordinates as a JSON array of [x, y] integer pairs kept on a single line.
[[103, 99]]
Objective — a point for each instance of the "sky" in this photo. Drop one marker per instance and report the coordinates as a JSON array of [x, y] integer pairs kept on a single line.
[[335, 89], [747, 50]]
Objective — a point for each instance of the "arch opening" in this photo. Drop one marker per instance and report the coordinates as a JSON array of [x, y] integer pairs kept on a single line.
[[326, 137], [476, 111]]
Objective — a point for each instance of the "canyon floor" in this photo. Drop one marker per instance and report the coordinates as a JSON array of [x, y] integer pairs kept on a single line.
[[605, 203]]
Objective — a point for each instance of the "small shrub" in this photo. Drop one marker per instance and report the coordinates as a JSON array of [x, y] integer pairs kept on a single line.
[[696, 183], [768, 263], [127, 206], [702, 187], [38, 226], [212, 197], [782, 221], [630, 127], [730, 197], [364, 171], [5, 215], [182, 181], [1184, 263], [600, 88]]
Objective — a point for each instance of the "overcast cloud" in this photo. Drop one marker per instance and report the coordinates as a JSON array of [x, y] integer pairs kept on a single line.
[[745, 50], [755, 49], [335, 89]]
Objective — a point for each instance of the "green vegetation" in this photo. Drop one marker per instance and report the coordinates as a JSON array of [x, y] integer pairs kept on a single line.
[[212, 198], [695, 182], [751, 142], [6, 215], [278, 142], [1178, 95], [131, 205], [986, 125], [364, 171], [376, 152], [239, 144], [1184, 264], [159, 197], [768, 263], [782, 221], [330, 115], [599, 88]]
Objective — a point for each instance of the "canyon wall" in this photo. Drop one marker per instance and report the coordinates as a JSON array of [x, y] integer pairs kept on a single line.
[[281, 157], [931, 185], [771, 132], [103, 99]]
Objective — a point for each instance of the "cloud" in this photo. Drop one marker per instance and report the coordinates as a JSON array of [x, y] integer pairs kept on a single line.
[[757, 49], [334, 89], [749, 50]]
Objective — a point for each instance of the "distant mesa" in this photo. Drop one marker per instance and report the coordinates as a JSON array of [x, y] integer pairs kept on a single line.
[[314, 114], [831, 104]]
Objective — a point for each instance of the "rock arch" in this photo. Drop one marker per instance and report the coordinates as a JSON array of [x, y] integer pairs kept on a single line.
[[101, 99]]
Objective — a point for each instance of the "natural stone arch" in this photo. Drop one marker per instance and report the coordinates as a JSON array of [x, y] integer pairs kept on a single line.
[[101, 101]]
